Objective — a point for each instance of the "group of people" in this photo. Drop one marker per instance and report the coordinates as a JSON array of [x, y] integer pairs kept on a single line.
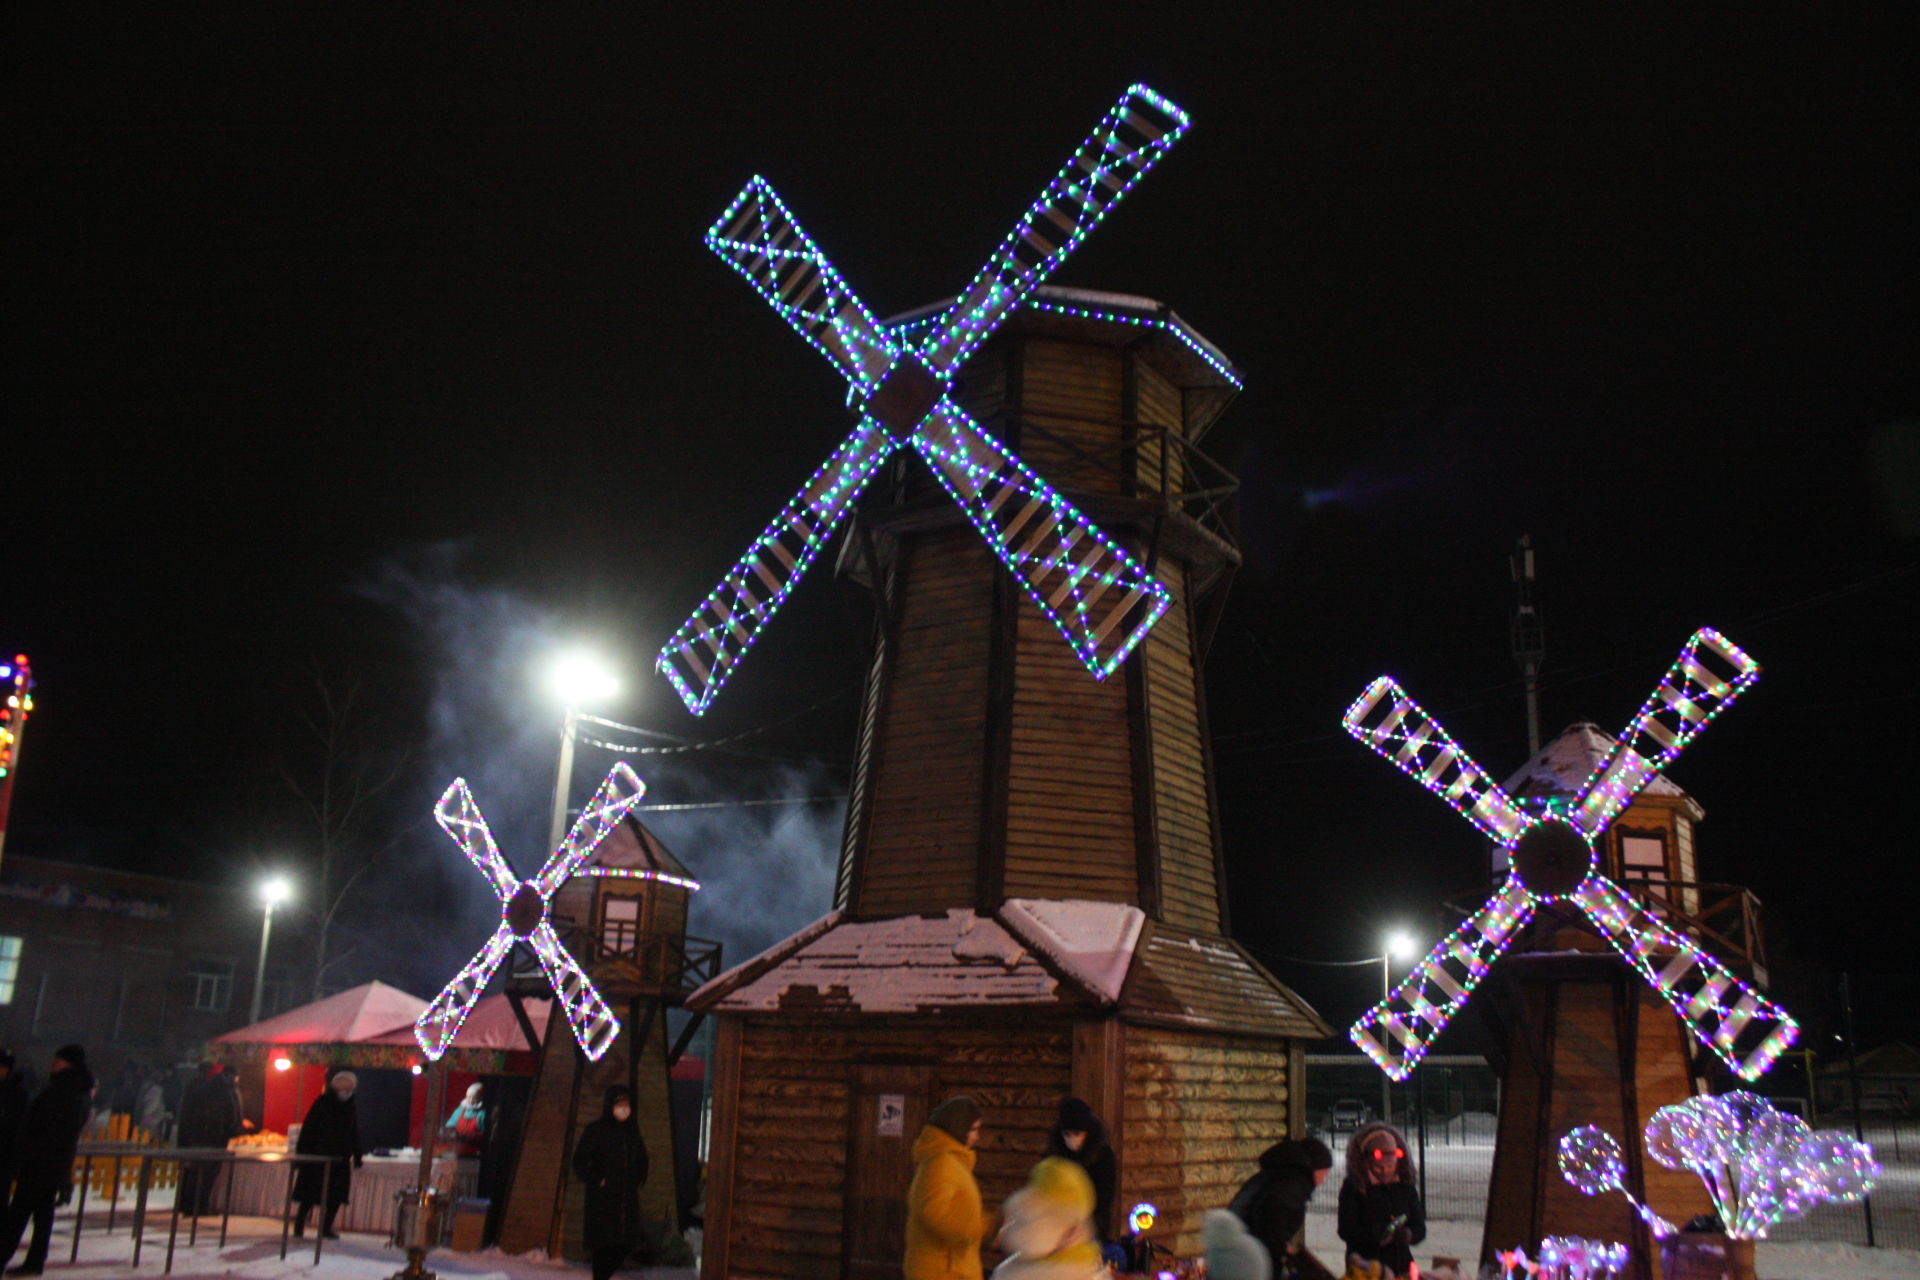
[[38, 1143], [1058, 1226]]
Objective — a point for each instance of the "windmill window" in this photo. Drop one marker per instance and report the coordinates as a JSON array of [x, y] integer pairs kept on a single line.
[[619, 924], [1643, 858]]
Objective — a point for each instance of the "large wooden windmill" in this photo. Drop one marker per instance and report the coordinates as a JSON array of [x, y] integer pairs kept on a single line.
[[1593, 876], [1029, 899]]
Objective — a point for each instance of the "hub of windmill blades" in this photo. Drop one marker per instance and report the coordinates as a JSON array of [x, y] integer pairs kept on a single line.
[[1551, 858], [905, 395], [525, 910]]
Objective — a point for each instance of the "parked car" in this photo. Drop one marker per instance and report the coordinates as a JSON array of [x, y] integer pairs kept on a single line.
[[1347, 1115]]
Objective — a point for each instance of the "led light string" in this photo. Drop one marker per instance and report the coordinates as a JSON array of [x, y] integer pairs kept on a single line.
[[902, 396], [13, 716], [1737, 1023], [591, 1021]]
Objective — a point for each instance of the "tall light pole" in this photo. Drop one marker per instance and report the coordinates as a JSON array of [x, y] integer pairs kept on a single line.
[[273, 891], [578, 678], [1399, 946]]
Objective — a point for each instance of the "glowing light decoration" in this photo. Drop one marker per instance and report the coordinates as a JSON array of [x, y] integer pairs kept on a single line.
[[524, 905], [623, 873], [13, 716], [1760, 1166], [1141, 1217], [1101, 599], [1578, 1258], [1551, 858], [1593, 1163]]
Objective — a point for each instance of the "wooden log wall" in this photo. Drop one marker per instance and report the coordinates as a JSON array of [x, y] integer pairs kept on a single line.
[[1182, 798], [792, 1123], [1199, 1109], [922, 837]]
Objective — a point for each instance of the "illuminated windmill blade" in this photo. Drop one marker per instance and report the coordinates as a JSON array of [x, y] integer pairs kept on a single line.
[[1128, 141], [1744, 1029], [1396, 727], [441, 1021], [759, 239], [1397, 1032], [1710, 673], [460, 818], [620, 792], [1101, 598], [593, 1023], [703, 652]]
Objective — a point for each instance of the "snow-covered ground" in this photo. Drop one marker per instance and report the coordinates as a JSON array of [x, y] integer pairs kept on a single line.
[[253, 1252]]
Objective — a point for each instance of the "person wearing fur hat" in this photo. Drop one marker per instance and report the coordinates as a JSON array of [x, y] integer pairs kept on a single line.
[[1232, 1251], [332, 1129], [43, 1159], [1078, 1135], [1273, 1204], [1381, 1217], [1047, 1226], [945, 1219]]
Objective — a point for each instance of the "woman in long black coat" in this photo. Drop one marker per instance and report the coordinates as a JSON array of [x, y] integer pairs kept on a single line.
[[332, 1128], [611, 1158]]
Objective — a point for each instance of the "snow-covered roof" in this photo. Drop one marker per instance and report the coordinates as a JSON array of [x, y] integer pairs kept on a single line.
[[1563, 766], [1092, 942], [902, 965], [632, 846], [1206, 981]]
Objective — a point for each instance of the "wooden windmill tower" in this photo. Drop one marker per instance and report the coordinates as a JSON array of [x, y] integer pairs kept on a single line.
[[624, 913], [1605, 935], [1029, 900]]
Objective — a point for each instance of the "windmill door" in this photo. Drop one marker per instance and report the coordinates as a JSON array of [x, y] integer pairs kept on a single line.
[[890, 1105]]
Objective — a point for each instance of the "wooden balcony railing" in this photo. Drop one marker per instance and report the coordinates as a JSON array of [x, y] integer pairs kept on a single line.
[[624, 961]]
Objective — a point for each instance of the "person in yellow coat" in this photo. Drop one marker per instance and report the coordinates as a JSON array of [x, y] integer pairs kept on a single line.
[[945, 1219]]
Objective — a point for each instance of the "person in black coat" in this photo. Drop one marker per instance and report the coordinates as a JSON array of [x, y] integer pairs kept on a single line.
[[1381, 1217], [1078, 1135], [1273, 1203], [332, 1128], [44, 1150], [13, 1107], [209, 1116], [611, 1158]]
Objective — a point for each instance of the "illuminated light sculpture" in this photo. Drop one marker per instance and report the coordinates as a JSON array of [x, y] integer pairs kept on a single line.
[[1592, 1163], [1100, 597], [524, 905], [1551, 858], [1578, 1258], [1760, 1166]]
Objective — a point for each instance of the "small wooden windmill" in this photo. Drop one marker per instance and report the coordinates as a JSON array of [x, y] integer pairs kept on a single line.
[[1579, 1048]]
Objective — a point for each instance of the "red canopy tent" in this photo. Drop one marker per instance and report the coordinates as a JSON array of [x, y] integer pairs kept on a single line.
[[490, 1042]]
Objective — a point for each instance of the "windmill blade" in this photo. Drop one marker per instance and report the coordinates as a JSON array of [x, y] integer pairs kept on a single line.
[[593, 1023], [460, 818], [703, 652], [1386, 719], [440, 1022], [1396, 1032], [1744, 1029], [1710, 673], [1101, 598], [1128, 141], [620, 792], [758, 238]]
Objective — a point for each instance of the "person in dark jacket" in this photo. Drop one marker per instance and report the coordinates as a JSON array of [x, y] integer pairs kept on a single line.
[[611, 1158], [1078, 1135], [209, 1116], [1381, 1217], [13, 1107], [332, 1128], [43, 1156], [1273, 1204]]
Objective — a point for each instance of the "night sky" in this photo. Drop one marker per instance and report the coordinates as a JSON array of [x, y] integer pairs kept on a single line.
[[379, 343]]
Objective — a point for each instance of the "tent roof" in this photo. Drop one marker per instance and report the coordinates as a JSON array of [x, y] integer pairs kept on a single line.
[[491, 1025], [355, 1016]]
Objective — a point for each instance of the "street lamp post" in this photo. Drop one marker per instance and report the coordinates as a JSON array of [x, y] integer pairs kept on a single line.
[[577, 678], [1399, 946], [273, 891]]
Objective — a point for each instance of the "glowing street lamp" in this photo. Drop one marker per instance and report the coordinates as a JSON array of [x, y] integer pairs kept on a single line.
[[273, 891], [578, 679], [1399, 946]]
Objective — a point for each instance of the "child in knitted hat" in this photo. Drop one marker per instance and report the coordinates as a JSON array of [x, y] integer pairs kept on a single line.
[[1048, 1226]]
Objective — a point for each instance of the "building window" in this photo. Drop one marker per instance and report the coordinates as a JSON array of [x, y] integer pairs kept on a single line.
[[619, 924], [212, 985], [9, 967], [1642, 857]]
